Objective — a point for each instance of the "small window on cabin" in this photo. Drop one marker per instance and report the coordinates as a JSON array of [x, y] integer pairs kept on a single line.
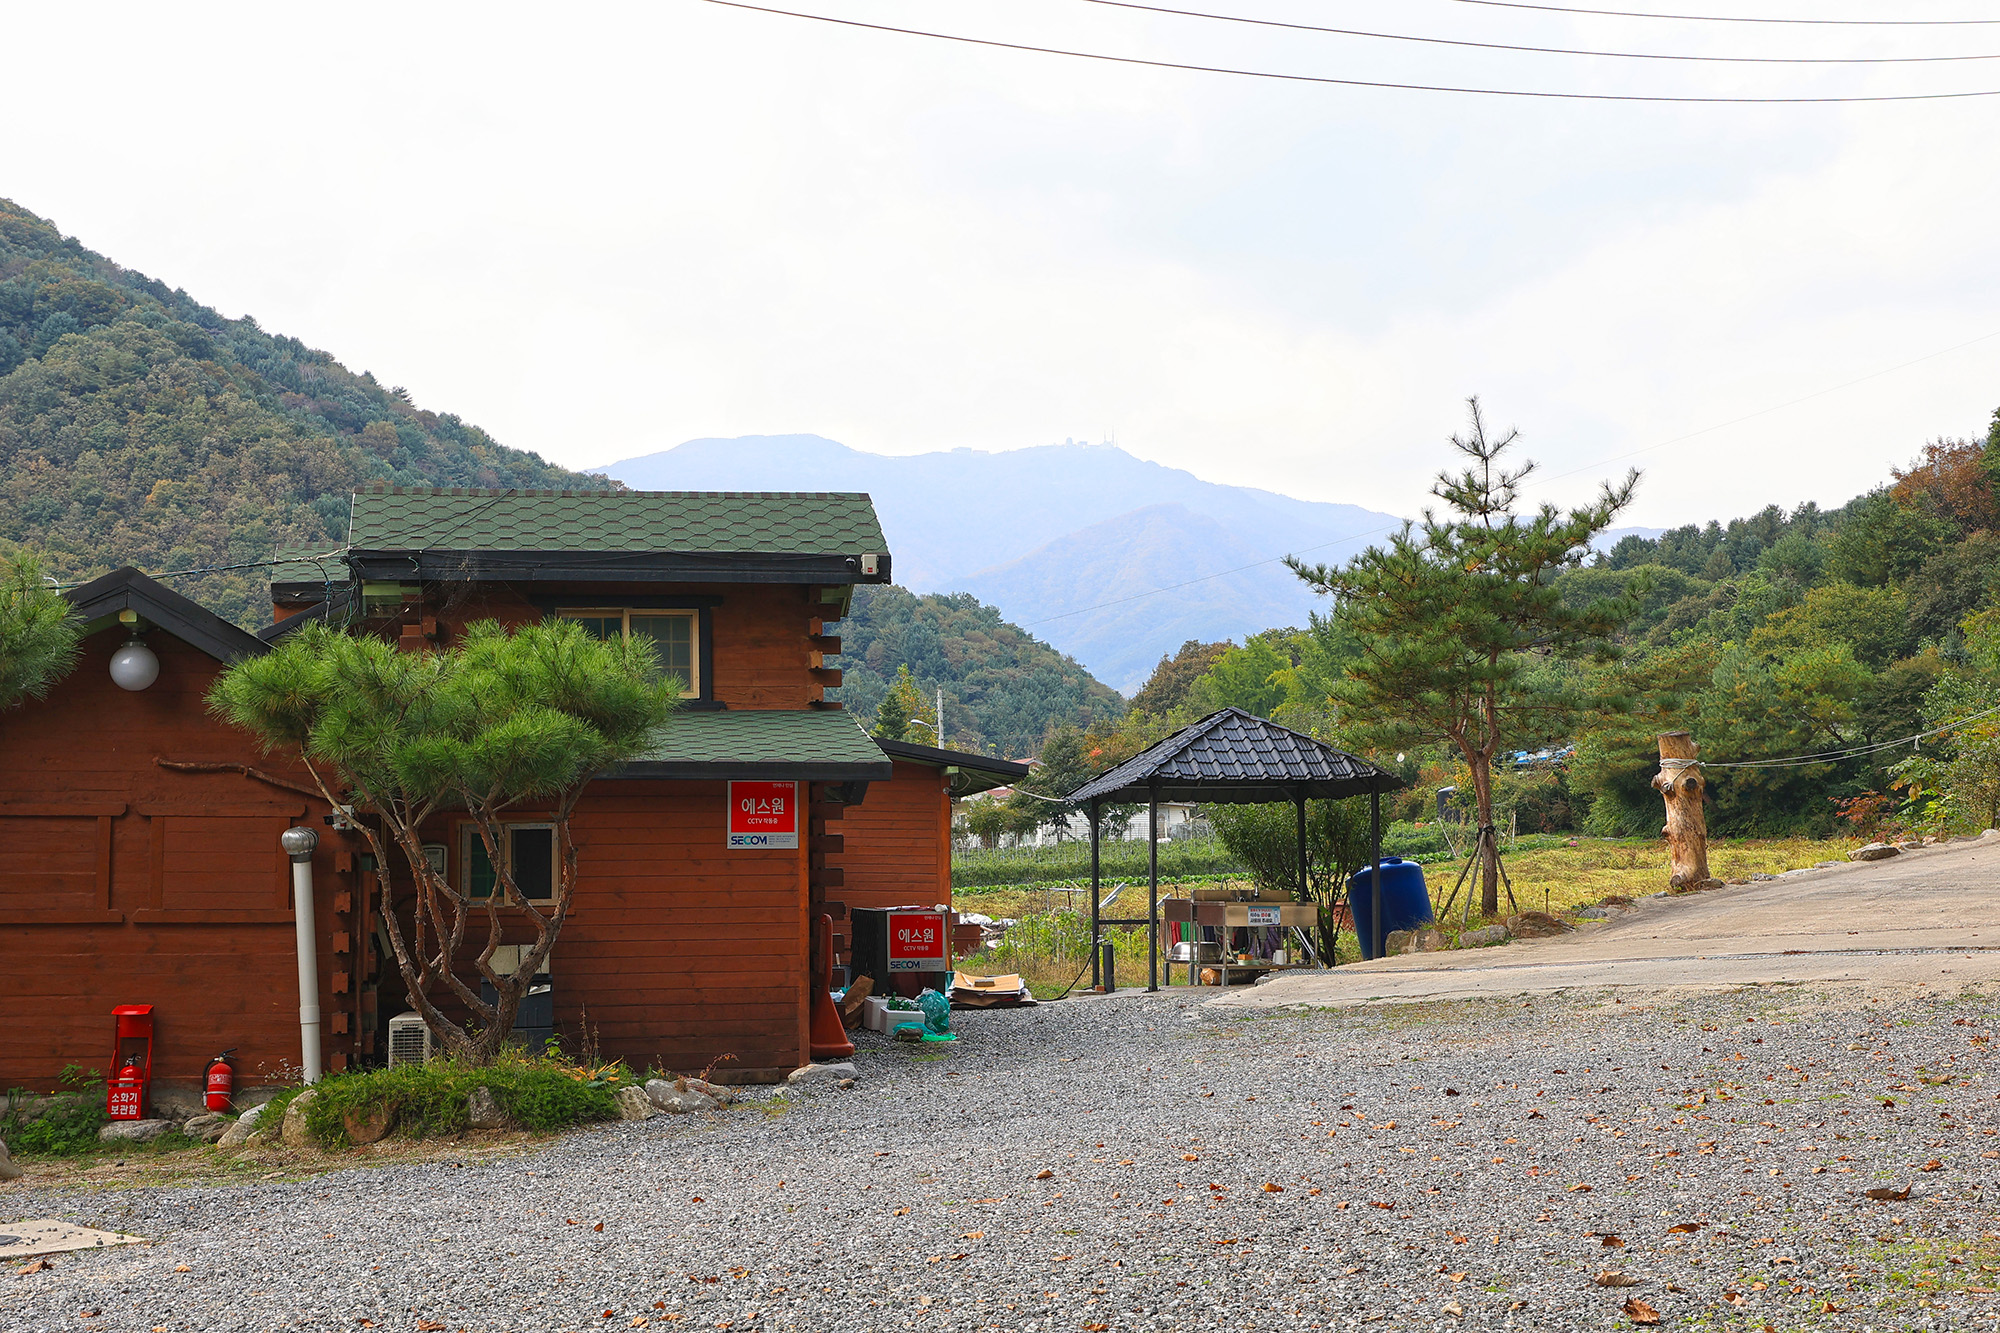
[[531, 851], [671, 635]]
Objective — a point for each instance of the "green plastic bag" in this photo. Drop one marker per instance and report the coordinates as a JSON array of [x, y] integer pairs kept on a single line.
[[937, 1011]]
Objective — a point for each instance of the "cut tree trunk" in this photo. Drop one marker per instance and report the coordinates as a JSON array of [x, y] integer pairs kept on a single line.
[[1683, 788]]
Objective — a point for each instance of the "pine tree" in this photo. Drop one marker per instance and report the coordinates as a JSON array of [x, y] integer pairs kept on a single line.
[[1451, 616], [899, 707]]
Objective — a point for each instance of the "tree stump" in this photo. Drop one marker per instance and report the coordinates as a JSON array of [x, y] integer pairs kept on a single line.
[[1682, 786]]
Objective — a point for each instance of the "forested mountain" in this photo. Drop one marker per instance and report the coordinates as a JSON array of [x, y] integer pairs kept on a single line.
[[1838, 635], [1004, 689], [138, 426], [1084, 532]]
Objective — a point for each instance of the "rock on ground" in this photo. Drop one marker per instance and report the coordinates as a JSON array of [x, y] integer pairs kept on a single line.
[[678, 1096], [8, 1171], [825, 1073], [1874, 851], [364, 1127], [1473, 939], [246, 1125], [482, 1110], [135, 1131], [293, 1130], [208, 1128], [1536, 925], [633, 1104]]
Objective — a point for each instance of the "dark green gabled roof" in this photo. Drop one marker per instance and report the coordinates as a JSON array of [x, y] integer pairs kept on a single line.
[[804, 746], [709, 522]]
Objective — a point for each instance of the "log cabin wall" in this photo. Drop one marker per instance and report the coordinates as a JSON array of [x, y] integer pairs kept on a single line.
[[760, 654], [125, 883], [898, 842], [678, 952]]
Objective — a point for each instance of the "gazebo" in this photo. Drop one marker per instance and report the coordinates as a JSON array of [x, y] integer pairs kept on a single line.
[[1228, 758]]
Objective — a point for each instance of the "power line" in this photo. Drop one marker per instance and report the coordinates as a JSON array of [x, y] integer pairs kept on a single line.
[[224, 569], [1852, 752], [1349, 83], [1540, 50], [1735, 18], [1588, 467]]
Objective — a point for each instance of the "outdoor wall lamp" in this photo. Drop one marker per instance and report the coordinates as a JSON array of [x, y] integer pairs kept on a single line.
[[134, 666]]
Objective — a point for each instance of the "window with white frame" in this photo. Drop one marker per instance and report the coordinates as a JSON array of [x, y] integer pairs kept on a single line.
[[530, 852], [670, 634]]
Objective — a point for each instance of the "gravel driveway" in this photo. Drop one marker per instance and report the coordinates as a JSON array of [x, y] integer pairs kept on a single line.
[[1139, 1163]]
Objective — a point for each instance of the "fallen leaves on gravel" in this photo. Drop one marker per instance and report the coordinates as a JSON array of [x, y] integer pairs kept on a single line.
[[1933, 1165], [1888, 1195], [178, 1268], [598, 1227], [1611, 1242], [1190, 1157], [1639, 1312], [1683, 1228], [1734, 1297], [1373, 1204], [1045, 1174], [1272, 1187], [1616, 1279], [429, 1325], [1579, 1189]]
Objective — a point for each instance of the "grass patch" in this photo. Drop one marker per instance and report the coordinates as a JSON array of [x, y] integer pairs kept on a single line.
[[429, 1100]]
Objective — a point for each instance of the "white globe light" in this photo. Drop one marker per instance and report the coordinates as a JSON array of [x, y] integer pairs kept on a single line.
[[133, 667]]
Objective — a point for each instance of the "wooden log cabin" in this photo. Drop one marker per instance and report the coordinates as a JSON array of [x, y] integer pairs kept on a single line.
[[153, 872]]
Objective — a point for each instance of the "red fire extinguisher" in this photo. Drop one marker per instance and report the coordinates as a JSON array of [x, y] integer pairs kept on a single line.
[[221, 1081]]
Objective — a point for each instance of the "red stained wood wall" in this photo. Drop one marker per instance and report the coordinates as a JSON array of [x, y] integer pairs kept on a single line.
[[124, 883], [898, 850]]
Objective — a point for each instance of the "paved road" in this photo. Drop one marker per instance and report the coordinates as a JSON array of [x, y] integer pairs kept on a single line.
[[1928, 919]]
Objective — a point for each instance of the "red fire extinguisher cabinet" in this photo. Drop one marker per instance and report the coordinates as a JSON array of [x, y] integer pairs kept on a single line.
[[131, 1063]]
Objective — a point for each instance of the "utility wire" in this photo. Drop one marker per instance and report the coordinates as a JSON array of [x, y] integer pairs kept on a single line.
[[1540, 50], [1350, 83], [224, 569], [1587, 467], [1735, 18], [1834, 756]]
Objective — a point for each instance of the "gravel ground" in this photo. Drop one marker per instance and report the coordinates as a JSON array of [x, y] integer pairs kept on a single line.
[[1136, 1163]]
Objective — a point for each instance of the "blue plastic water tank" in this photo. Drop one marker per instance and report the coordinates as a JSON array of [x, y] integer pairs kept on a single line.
[[1406, 902]]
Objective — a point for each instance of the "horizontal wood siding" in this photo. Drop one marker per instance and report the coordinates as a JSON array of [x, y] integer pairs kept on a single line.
[[155, 887], [677, 951], [895, 852]]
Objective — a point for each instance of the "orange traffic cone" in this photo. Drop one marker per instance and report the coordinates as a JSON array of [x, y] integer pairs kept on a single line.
[[829, 1035]]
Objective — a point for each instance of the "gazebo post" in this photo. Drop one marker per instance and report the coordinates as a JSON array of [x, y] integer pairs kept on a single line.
[[1153, 886], [1305, 884], [1375, 870], [1096, 931]]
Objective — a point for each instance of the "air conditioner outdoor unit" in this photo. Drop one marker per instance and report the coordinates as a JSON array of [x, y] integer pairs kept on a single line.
[[409, 1039]]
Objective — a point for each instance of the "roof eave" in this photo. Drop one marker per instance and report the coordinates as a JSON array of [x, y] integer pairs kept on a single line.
[[391, 564], [189, 621]]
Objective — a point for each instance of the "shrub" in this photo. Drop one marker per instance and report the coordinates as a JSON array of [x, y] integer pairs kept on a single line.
[[66, 1126], [541, 1093]]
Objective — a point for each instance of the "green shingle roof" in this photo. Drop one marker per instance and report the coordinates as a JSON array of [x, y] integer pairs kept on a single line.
[[807, 745], [709, 522]]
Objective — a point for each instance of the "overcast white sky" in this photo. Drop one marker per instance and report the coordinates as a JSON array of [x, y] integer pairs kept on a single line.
[[601, 230]]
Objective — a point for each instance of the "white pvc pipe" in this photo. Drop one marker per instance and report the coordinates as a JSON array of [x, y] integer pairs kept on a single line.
[[302, 915]]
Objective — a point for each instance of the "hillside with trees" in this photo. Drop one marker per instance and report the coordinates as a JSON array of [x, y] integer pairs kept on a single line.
[[138, 426], [1834, 634], [1004, 689]]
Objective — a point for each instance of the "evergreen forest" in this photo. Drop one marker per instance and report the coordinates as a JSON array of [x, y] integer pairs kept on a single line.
[[140, 427]]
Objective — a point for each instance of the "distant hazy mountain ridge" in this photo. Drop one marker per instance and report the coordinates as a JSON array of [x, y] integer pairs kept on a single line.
[[1069, 541]]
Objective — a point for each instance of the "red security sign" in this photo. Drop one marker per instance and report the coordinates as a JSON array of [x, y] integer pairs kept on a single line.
[[763, 814], [916, 941]]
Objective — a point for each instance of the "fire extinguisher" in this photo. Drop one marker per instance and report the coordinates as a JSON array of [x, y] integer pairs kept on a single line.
[[221, 1081]]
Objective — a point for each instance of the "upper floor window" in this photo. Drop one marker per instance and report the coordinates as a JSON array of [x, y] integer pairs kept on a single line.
[[670, 634]]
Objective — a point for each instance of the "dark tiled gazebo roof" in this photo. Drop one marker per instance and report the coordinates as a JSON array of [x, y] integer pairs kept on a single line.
[[1235, 758]]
